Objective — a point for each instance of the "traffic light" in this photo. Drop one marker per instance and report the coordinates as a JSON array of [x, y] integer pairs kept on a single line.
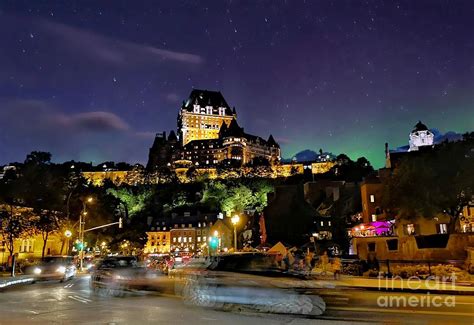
[[214, 242], [79, 246], [120, 222]]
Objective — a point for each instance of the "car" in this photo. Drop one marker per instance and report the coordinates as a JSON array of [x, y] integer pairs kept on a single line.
[[115, 275], [60, 268], [245, 280]]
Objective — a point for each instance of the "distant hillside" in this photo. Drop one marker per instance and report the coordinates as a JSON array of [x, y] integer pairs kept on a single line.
[[307, 155]]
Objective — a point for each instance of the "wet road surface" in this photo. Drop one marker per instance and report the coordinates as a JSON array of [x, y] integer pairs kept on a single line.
[[74, 303]]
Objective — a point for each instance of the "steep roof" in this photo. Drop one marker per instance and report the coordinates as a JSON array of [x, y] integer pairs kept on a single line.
[[420, 127], [234, 129], [271, 141], [206, 98], [172, 136]]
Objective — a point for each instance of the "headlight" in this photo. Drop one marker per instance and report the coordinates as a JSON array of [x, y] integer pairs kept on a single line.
[[37, 270], [121, 277], [61, 269]]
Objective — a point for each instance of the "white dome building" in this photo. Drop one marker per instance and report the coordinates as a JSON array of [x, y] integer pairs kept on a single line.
[[420, 136]]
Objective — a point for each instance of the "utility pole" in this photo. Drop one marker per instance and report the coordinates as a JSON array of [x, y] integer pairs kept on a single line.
[[82, 222]]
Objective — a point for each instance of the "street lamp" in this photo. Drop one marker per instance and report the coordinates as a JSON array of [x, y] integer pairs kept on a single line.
[[235, 220], [82, 222], [67, 234]]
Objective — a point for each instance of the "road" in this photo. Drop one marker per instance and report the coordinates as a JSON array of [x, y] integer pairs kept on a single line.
[[73, 303]]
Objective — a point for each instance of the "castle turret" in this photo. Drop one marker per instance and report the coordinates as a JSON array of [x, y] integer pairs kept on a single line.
[[420, 136]]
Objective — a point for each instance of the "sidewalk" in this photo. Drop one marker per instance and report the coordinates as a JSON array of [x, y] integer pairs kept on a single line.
[[384, 284], [7, 281]]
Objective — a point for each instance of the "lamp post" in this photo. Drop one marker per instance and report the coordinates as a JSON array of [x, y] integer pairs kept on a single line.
[[235, 220], [68, 235], [82, 222]]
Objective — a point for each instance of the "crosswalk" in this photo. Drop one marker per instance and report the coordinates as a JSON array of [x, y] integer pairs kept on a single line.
[[82, 299]]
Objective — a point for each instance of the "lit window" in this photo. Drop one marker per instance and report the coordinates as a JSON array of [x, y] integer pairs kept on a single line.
[[329, 223], [443, 228], [374, 218], [204, 238], [174, 239], [410, 229], [199, 239], [322, 223], [179, 239], [372, 198], [190, 239]]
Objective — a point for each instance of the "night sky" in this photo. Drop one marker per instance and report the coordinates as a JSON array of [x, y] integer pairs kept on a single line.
[[95, 80]]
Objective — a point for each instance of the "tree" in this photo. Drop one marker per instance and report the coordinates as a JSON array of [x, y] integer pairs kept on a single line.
[[133, 200], [232, 197], [41, 187], [440, 181], [38, 158], [46, 222], [14, 223], [351, 171]]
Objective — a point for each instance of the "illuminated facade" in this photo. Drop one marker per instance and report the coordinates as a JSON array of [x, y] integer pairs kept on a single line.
[[209, 135], [158, 242], [420, 136], [233, 146], [202, 115]]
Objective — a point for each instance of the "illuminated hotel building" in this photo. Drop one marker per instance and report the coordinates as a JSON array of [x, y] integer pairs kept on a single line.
[[209, 135], [202, 115]]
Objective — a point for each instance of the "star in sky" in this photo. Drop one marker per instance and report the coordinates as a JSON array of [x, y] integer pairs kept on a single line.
[[95, 81]]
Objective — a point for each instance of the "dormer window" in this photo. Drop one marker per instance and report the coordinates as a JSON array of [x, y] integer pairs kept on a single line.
[[196, 109], [209, 110], [221, 110]]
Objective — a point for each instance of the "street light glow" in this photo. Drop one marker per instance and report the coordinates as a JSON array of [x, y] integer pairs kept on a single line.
[[235, 219], [68, 233]]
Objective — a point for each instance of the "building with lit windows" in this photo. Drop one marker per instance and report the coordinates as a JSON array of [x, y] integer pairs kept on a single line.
[[202, 115], [187, 233], [209, 135]]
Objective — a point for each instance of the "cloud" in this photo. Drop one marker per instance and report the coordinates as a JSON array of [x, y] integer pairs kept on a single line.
[[110, 50], [27, 125], [61, 56], [94, 122]]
